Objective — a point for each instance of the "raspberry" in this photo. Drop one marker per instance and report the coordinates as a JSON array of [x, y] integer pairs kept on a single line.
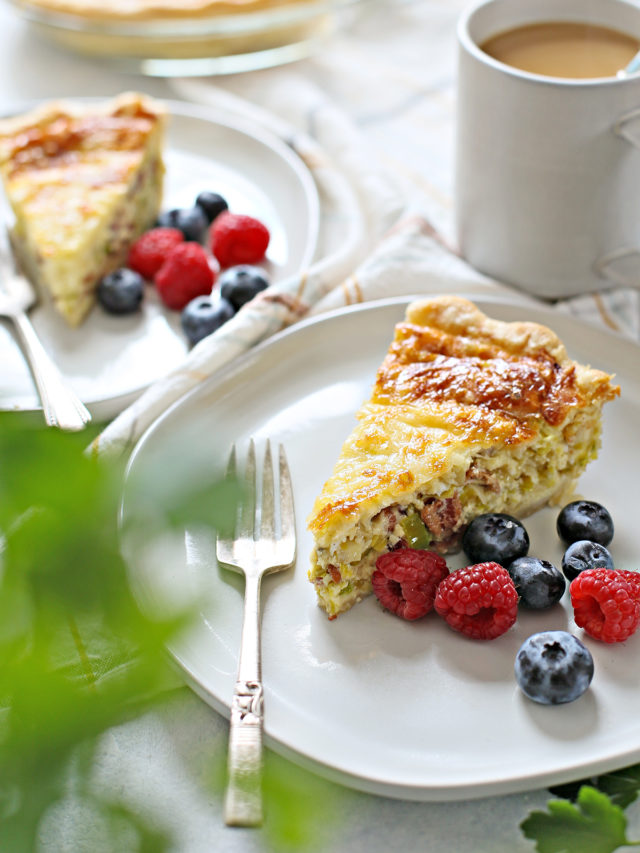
[[480, 601], [632, 578], [238, 239], [606, 604], [149, 252], [185, 274], [405, 581]]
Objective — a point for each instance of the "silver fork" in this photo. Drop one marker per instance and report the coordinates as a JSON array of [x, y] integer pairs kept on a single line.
[[255, 552], [60, 405]]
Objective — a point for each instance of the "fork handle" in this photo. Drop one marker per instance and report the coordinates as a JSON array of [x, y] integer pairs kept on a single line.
[[243, 799], [60, 406]]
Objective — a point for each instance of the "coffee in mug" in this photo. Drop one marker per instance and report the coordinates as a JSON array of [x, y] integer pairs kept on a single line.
[[564, 49]]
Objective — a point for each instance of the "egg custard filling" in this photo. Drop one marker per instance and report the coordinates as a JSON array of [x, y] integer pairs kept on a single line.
[[84, 180], [468, 415]]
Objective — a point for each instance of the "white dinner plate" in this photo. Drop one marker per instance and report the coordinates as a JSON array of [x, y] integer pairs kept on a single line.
[[411, 710], [109, 360]]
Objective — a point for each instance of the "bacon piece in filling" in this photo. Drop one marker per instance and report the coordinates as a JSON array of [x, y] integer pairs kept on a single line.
[[441, 517]]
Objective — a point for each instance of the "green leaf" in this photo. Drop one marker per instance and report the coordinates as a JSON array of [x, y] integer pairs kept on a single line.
[[77, 656], [297, 804], [622, 786], [593, 825]]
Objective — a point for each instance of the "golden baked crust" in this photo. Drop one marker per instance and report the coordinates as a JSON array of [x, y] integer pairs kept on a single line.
[[83, 180], [157, 10], [468, 415]]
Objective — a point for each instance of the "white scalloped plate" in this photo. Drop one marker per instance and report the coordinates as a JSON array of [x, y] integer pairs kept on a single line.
[[109, 360], [410, 710]]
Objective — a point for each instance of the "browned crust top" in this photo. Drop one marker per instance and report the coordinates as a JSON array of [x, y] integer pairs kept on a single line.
[[448, 351], [61, 134]]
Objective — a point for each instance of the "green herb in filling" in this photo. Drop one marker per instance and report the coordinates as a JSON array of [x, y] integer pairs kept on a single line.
[[415, 531]]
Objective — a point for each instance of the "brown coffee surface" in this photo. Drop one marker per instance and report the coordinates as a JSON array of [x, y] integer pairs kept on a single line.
[[563, 49]]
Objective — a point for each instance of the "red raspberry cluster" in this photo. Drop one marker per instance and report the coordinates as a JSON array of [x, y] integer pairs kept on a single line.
[[480, 601], [606, 603], [185, 273], [405, 581], [182, 270], [150, 251], [235, 239]]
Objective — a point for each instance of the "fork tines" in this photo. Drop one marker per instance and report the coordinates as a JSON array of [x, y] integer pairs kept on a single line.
[[268, 524]]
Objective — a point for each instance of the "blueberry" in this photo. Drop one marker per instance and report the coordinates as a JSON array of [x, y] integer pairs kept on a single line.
[[212, 204], [538, 582], [190, 220], [497, 537], [240, 284], [585, 520], [553, 667], [203, 315], [121, 291], [585, 554]]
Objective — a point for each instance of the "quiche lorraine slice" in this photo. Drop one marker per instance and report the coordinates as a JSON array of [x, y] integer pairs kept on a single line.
[[84, 181], [468, 415]]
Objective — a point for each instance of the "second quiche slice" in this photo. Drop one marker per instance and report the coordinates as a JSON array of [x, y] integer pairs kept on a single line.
[[83, 181], [468, 415]]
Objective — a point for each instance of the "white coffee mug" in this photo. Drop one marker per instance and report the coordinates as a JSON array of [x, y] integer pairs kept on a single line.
[[547, 168]]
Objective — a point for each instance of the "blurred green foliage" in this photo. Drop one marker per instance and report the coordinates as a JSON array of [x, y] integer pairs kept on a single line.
[[77, 656]]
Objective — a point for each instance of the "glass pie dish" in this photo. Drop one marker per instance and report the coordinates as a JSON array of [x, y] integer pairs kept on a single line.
[[164, 38]]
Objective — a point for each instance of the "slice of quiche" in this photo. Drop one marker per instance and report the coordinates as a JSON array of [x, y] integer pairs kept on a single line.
[[468, 415], [84, 181]]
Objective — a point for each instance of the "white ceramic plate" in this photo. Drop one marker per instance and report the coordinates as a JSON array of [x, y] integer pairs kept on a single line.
[[110, 360], [410, 710]]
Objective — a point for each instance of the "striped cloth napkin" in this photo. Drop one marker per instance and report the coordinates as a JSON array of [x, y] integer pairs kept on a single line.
[[373, 122]]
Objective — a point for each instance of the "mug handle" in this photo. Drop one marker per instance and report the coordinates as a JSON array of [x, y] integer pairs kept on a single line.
[[605, 266], [620, 127]]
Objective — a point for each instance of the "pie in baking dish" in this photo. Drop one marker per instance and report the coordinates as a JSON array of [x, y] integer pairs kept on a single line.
[[83, 181], [156, 10], [468, 415], [152, 31]]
